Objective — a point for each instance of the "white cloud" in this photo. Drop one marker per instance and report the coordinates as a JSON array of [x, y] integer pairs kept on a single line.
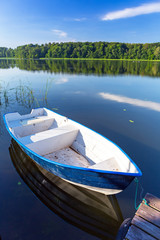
[[59, 33], [133, 101], [132, 12]]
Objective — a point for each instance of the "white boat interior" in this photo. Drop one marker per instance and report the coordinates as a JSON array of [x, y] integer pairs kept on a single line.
[[62, 140]]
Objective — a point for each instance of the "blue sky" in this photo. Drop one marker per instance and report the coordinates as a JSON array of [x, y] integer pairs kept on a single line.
[[38, 21]]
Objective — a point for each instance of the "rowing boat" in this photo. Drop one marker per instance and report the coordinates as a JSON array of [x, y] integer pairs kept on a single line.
[[72, 151]]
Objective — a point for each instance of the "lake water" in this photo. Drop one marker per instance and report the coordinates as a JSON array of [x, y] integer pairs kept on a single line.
[[120, 100]]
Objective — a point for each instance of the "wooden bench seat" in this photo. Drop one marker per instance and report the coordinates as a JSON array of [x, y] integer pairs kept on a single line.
[[34, 120], [32, 125], [28, 121], [50, 140]]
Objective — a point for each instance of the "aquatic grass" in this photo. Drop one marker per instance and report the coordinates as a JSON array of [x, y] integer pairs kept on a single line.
[[48, 86], [36, 100], [23, 94], [5, 90]]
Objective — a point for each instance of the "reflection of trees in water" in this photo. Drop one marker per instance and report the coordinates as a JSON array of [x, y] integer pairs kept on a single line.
[[97, 67], [23, 94]]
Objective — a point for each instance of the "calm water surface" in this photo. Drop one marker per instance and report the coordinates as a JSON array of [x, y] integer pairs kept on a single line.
[[120, 100]]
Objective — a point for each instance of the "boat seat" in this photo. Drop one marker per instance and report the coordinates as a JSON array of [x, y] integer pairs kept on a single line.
[[32, 125], [109, 164], [34, 120], [29, 121], [50, 140]]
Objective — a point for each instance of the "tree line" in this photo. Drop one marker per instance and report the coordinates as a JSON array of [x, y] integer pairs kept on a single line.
[[104, 50]]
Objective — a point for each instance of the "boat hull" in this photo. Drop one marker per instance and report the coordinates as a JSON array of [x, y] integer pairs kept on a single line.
[[99, 181], [39, 140]]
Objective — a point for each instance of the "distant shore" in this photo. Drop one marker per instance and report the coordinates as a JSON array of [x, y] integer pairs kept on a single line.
[[82, 59], [85, 51]]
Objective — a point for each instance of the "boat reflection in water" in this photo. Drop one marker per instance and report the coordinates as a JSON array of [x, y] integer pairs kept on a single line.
[[90, 211]]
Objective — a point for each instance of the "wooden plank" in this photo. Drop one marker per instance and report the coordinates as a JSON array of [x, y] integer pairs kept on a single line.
[[146, 226], [135, 233], [149, 214], [153, 201], [69, 157]]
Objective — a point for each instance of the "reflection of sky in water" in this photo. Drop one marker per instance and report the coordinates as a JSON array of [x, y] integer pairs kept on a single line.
[[133, 101]]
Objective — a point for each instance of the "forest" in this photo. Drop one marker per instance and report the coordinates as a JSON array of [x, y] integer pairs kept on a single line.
[[90, 50]]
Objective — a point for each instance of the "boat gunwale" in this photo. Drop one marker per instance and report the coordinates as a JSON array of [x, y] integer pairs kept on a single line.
[[138, 174]]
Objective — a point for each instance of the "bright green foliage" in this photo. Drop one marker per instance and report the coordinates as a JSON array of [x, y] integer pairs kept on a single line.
[[104, 50]]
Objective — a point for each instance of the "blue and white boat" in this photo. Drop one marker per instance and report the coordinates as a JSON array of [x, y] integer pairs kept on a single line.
[[72, 151]]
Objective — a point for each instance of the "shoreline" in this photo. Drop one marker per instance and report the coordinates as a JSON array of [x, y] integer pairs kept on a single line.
[[83, 59]]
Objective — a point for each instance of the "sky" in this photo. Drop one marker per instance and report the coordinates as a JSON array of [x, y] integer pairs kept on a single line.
[[39, 22]]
